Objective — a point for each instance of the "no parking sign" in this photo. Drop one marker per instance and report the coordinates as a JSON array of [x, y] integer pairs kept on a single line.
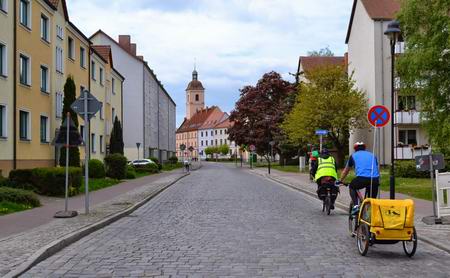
[[378, 116]]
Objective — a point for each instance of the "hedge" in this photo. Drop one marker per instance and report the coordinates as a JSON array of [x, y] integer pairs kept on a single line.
[[173, 159], [51, 181], [46, 181], [156, 160], [149, 168], [19, 196], [21, 178], [407, 169], [96, 169], [131, 172], [116, 166]]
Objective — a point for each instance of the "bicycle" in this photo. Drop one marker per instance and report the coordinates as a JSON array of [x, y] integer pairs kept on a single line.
[[328, 192], [353, 217]]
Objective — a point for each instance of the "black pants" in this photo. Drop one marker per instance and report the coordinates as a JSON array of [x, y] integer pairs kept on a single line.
[[363, 182], [322, 190]]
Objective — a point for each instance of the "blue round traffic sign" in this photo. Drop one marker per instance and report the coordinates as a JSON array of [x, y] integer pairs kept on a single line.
[[378, 116]]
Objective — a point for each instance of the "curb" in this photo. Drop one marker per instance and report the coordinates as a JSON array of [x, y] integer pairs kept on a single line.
[[57, 245], [345, 208]]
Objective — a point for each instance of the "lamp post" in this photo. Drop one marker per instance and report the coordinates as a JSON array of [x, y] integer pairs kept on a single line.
[[393, 33], [137, 146]]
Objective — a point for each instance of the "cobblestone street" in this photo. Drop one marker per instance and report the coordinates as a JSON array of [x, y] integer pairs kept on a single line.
[[226, 222]]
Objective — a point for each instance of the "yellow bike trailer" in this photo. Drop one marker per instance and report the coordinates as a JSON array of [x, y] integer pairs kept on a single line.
[[383, 221]]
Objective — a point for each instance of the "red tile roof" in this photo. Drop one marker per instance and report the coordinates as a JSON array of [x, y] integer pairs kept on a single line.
[[377, 10], [197, 120], [104, 51], [225, 124], [309, 63]]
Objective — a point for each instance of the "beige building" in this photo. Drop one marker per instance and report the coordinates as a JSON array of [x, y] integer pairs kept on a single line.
[[369, 59], [6, 86]]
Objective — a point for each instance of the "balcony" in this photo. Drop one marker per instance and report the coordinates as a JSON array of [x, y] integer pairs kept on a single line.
[[407, 117], [408, 152]]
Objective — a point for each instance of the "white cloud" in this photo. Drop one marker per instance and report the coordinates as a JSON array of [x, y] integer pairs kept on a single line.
[[234, 41]]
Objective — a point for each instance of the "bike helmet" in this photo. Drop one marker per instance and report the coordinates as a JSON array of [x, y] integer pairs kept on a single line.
[[315, 154], [359, 146], [325, 151]]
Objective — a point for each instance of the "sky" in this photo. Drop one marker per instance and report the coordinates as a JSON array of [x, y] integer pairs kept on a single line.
[[232, 42]]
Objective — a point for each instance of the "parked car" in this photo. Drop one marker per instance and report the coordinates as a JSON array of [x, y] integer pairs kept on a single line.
[[141, 162]]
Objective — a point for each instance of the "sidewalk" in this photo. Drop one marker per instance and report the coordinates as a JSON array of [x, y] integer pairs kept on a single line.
[[28, 237], [436, 235]]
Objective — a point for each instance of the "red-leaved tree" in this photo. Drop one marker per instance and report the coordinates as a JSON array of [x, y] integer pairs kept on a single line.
[[259, 112]]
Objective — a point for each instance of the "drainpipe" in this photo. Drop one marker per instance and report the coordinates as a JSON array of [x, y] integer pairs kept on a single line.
[[15, 88], [143, 108]]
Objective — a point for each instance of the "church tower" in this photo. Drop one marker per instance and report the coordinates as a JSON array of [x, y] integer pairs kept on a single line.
[[195, 96]]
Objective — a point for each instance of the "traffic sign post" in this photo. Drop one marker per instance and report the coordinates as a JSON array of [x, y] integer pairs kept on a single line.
[[252, 149], [321, 133], [68, 127], [86, 106], [379, 116]]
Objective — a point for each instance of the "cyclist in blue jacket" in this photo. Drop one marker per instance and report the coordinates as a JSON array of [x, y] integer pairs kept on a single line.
[[366, 170]]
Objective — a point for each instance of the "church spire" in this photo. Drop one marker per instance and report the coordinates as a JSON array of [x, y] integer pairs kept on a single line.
[[195, 73]]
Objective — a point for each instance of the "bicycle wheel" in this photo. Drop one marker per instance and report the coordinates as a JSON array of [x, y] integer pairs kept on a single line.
[[328, 204], [410, 246], [363, 239], [352, 221]]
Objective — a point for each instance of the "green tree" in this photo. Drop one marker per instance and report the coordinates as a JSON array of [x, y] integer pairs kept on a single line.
[[69, 98], [224, 149], [116, 139], [329, 101], [326, 52], [209, 151], [424, 66]]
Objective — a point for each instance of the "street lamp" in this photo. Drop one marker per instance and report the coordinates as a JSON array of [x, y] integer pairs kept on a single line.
[[137, 146], [393, 33]]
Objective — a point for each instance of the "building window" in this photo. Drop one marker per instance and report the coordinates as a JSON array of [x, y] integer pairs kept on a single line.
[[25, 10], [45, 28], [60, 32], [59, 60], [93, 70], [3, 60], [25, 70], [212, 142], [101, 111], [93, 143], [82, 57], [196, 97], [101, 76], [406, 103], [44, 129], [71, 47], [3, 121], [45, 80], [24, 125], [113, 114], [221, 142], [407, 137], [4, 6], [82, 132], [59, 104], [220, 132], [215, 132], [113, 86], [201, 142], [206, 141], [101, 143]]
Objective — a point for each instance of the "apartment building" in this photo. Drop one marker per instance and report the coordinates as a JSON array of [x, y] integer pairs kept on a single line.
[[148, 110], [39, 50], [369, 59], [6, 85]]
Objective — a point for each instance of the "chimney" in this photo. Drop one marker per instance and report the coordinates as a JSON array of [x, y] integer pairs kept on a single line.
[[140, 57], [125, 41], [133, 49]]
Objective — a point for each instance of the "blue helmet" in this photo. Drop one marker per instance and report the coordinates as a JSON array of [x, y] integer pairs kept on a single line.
[[325, 151]]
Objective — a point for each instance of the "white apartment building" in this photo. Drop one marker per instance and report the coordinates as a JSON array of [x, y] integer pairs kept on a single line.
[[148, 109], [369, 60]]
